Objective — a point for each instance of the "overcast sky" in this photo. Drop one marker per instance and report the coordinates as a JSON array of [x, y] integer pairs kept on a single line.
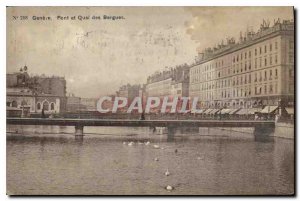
[[98, 56]]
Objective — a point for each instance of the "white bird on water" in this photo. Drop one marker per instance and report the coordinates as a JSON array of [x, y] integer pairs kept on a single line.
[[156, 146], [169, 188], [167, 173], [156, 159], [147, 143], [130, 143]]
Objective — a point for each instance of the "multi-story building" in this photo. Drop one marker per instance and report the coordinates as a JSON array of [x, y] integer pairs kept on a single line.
[[52, 85], [89, 103], [180, 88], [159, 88], [33, 93], [130, 92], [174, 82], [170, 83], [256, 71], [74, 104], [30, 102], [17, 79]]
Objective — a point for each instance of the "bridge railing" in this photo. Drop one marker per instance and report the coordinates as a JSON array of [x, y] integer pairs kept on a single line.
[[166, 116]]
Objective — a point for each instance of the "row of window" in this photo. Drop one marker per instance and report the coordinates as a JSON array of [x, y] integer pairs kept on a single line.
[[260, 50], [260, 76], [242, 56], [238, 57], [237, 68], [236, 103], [38, 105], [266, 89]]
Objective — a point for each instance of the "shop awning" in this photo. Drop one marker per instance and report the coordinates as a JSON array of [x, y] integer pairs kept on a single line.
[[253, 110], [234, 111], [200, 111], [243, 111], [269, 109], [207, 111], [225, 111], [214, 111], [289, 110]]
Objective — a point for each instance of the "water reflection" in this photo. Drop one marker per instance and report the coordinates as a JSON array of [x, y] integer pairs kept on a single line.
[[211, 161]]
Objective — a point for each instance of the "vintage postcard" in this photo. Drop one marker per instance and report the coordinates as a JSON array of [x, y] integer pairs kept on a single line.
[[150, 101]]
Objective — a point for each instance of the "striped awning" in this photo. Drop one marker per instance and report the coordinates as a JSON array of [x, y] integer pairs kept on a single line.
[[200, 111], [214, 111], [254, 110], [234, 111], [243, 111], [225, 111], [269, 109], [211, 111], [207, 111]]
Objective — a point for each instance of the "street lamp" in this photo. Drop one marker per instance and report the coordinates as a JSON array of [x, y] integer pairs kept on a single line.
[[79, 106]]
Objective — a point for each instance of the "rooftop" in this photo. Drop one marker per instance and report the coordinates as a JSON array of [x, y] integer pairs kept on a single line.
[[249, 37], [175, 73]]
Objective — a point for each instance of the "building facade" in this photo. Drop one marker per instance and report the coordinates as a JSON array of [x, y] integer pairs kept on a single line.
[[74, 104], [33, 93], [89, 103], [256, 71], [130, 92], [32, 103], [174, 82], [159, 88], [54, 85]]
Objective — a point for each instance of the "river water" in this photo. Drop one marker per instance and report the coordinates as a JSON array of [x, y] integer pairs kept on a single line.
[[47, 160]]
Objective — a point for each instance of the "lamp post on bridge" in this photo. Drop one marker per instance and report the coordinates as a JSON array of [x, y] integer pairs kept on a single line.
[[79, 103]]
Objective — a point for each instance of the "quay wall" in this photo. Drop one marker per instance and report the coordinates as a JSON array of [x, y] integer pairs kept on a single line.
[[283, 130]]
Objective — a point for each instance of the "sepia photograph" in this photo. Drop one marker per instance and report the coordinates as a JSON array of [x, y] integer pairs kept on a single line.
[[150, 100]]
